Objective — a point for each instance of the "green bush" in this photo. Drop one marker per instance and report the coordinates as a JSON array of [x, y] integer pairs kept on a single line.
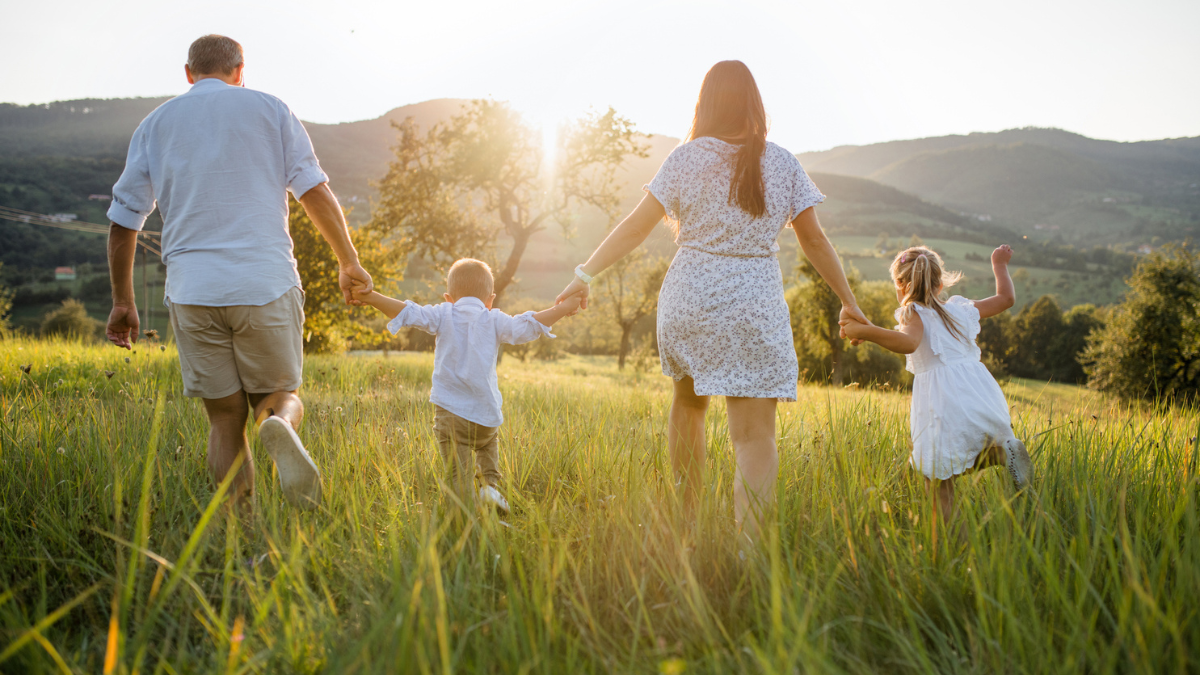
[[1150, 347], [70, 320]]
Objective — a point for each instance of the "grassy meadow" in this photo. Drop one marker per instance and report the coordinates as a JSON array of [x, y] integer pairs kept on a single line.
[[116, 555]]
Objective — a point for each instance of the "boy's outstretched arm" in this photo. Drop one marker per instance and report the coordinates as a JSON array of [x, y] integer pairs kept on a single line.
[[547, 317], [1006, 295], [389, 306], [903, 341]]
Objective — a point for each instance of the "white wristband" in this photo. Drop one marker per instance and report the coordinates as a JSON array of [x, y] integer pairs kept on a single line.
[[583, 276]]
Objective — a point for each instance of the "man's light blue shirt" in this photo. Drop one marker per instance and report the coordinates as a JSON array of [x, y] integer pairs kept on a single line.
[[219, 161]]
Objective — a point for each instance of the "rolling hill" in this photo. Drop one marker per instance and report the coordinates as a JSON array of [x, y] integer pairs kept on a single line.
[[1044, 183]]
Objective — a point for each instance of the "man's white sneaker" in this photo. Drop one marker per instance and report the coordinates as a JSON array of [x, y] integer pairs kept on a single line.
[[298, 475], [492, 497], [1018, 463]]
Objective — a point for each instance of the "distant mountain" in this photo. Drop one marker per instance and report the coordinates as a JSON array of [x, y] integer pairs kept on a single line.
[[1043, 182], [84, 128]]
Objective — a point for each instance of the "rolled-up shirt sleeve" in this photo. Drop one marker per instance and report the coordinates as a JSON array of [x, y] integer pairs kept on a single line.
[[519, 329], [424, 317], [133, 195], [300, 160]]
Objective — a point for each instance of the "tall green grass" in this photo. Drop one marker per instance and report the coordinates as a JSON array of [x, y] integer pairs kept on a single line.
[[116, 555]]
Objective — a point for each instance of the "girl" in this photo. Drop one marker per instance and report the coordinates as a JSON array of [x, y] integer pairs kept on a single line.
[[959, 415], [723, 324]]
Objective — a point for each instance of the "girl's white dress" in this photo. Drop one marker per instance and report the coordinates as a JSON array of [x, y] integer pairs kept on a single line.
[[958, 410]]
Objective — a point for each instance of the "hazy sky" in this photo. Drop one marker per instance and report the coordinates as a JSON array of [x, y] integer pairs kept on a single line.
[[831, 73]]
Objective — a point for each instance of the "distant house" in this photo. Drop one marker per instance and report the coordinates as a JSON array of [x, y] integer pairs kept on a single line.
[[99, 198], [64, 273], [1145, 249], [62, 217]]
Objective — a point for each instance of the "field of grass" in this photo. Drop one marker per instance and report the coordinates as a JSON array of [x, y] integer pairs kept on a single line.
[[117, 557]]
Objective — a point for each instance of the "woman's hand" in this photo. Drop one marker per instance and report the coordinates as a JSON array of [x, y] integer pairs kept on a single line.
[[575, 287], [852, 313]]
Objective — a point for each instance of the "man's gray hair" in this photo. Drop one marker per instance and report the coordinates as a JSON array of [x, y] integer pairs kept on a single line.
[[214, 54]]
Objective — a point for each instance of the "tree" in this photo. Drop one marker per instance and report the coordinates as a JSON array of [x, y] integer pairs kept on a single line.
[[453, 190], [1078, 324], [1037, 330], [995, 343], [1150, 347], [629, 290], [70, 320], [823, 355], [328, 322], [815, 312]]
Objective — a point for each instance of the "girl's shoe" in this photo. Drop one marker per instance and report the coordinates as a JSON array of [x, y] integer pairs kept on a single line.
[[492, 497], [299, 477], [1018, 463]]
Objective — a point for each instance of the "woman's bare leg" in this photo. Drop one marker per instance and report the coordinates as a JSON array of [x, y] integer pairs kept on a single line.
[[686, 442], [752, 431]]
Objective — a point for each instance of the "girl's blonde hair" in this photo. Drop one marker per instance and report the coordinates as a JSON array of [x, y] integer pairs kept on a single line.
[[919, 273]]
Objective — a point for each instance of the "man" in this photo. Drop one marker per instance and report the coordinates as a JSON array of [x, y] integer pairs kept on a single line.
[[219, 161]]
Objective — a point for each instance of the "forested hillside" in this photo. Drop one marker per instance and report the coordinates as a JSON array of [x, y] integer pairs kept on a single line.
[[1044, 183]]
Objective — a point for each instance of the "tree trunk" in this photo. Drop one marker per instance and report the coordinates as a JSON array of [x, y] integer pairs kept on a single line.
[[509, 272], [625, 331]]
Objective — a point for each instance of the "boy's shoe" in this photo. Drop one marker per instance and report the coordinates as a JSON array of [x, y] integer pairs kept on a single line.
[[298, 475], [492, 497], [1018, 463]]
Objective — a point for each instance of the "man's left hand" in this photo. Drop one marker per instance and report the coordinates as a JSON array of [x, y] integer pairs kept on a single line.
[[353, 278]]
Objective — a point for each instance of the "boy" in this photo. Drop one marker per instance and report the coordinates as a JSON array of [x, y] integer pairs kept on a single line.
[[465, 396]]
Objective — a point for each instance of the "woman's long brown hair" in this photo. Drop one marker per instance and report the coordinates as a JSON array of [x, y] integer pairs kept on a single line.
[[731, 109]]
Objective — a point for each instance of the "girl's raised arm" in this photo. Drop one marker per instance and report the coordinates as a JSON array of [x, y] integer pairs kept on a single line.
[[1006, 295]]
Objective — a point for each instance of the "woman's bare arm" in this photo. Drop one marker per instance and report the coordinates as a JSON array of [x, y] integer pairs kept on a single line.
[[1006, 295], [625, 237], [821, 253]]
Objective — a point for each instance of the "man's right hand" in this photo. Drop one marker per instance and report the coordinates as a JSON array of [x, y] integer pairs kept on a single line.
[[354, 279], [123, 325]]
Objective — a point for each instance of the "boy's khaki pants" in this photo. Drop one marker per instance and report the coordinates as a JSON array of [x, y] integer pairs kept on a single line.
[[459, 439]]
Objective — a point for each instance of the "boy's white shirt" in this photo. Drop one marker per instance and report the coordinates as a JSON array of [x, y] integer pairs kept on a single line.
[[464, 358]]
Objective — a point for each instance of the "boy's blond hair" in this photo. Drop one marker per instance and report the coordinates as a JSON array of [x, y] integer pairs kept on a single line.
[[469, 277]]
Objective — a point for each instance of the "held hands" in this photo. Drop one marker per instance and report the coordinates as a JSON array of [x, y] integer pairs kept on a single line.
[[572, 303], [360, 294], [852, 315], [353, 279], [575, 289], [1001, 255]]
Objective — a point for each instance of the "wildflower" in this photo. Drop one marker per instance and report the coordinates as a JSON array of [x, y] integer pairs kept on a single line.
[[26, 368], [62, 450], [109, 374], [126, 359], [152, 334], [162, 348]]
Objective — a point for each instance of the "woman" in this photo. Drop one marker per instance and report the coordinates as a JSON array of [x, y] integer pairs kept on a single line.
[[723, 323]]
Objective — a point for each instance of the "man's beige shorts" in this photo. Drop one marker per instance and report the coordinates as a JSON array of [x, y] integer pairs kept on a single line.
[[256, 349]]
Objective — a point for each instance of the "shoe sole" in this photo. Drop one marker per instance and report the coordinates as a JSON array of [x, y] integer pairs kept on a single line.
[[298, 475], [500, 506], [1019, 465]]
